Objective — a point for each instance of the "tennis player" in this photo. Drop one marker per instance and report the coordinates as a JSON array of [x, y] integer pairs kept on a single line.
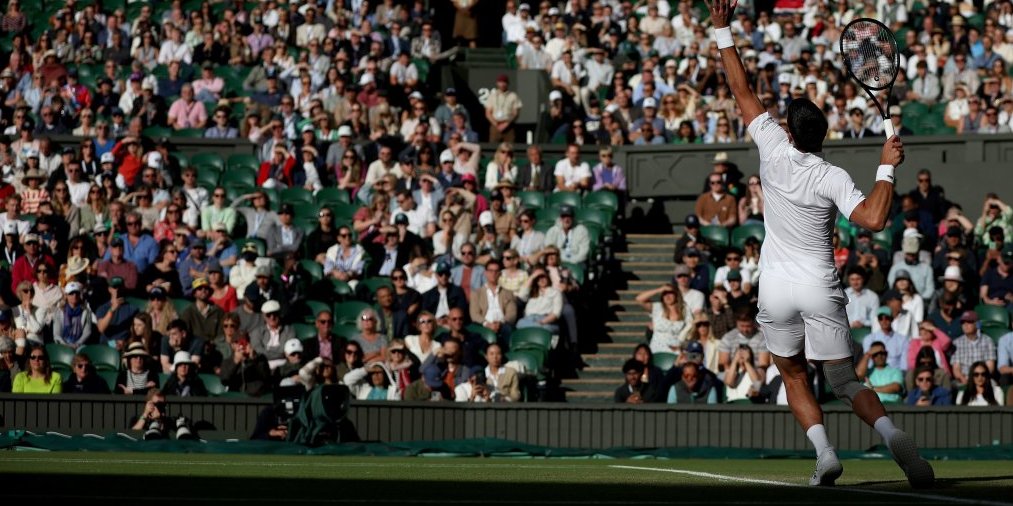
[[802, 306]]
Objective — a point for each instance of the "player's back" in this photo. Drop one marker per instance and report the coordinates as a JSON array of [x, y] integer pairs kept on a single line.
[[802, 194]]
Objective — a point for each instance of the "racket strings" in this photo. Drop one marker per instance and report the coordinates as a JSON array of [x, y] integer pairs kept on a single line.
[[870, 52]]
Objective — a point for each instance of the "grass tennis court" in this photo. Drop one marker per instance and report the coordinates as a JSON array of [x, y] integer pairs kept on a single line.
[[147, 478]]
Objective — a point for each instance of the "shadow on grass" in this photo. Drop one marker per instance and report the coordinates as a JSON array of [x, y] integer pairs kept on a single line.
[[66, 488]]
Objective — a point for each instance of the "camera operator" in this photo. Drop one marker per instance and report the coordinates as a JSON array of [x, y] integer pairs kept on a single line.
[[475, 389], [273, 420], [154, 412]]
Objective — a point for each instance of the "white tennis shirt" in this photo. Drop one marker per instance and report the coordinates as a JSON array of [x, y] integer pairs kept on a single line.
[[802, 194]]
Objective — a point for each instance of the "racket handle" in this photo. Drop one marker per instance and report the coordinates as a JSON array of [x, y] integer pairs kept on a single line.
[[888, 128]]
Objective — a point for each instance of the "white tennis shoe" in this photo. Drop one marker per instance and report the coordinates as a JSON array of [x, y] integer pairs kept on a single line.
[[828, 469]]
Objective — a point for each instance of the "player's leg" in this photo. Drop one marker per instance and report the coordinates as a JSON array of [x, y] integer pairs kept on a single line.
[[828, 339], [784, 332]]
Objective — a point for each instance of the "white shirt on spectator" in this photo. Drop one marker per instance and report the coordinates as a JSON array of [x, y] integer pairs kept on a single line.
[[174, 51], [572, 174]]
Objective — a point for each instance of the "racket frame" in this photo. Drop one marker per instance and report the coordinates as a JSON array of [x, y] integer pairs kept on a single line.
[[887, 123]]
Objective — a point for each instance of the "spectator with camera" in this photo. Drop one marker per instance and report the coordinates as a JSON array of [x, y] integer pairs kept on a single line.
[[926, 391], [246, 370]]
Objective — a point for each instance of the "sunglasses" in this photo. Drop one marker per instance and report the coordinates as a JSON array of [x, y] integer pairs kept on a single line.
[[925, 378], [349, 352], [368, 318], [398, 278], [467, 253], [397, 350], [979, 374], [38, 357], [425, 322], [325, 321]]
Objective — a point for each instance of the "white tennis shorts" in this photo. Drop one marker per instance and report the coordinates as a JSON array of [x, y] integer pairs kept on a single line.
[[795, 317]]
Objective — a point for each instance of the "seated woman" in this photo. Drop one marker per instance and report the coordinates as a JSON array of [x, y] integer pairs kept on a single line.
[[372, 383], [139, 375], [184, 381], [653, 375], [980, 391], [742, 379], [39, 378], [927, 357], [544, 304], [423, 345], [84, 379]]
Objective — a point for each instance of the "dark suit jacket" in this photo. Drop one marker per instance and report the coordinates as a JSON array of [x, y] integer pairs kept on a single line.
[[377, 253], [546, 178], [455, 298], [400, 323], [311, 347]]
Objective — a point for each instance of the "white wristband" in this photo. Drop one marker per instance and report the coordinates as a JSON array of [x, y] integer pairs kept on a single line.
[[885, 173], [724, 37]]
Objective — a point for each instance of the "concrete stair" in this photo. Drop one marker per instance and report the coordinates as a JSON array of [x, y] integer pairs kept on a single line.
[[646, 264]]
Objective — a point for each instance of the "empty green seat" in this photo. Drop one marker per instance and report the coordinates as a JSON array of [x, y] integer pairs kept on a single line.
[[102, 357], [859, 334], [664, 361], [532, 199], [213, 159], [485, 333], [328, 196], [602, 198], [348, 312], [304, 330], [716, 235], [296, 196], [743, 232], [213, 383], [992, 314], [565, 198], [531, 337], [60, 354], [315, 270]]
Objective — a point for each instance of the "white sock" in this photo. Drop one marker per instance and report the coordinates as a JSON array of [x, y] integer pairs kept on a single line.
[[884, 426], [818, 435]]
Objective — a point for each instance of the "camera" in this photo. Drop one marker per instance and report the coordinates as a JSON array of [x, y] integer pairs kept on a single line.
[[286, 403]]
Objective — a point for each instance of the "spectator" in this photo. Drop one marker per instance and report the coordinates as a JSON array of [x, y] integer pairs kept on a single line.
[[39, 377], [572, 239], [84, 379], [717, 207], [502, 109], [894, 341], [138, 376], [693, 387], [245, 370], [927, 393], [741, 378], [115, 317], [445, 296], [571, 173], [269, 339], [670, 318], [535, 176], [934, 339], [634, 391], [178, 340], [979, 390], [183, 380], [72, 321], [862, 303], [886, 381], [997, 283], [971, 348], [492, 306], [745, 332], [751, 204], [543, 304], [995, 213]]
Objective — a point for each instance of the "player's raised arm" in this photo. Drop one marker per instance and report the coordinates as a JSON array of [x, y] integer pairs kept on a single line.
[[721, 12], [872, 212]]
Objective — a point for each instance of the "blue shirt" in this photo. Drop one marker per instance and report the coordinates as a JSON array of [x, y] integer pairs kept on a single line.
[[119, 327], [184, 271], [142, 255], [1005, 351], [896, 348], [939, 397]]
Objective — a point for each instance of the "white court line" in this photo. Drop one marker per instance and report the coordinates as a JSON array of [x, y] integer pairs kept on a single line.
[[756, 481]]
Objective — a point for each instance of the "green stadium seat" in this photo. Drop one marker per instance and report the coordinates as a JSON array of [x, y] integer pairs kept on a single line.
[[531, 337], [313, 308], [664, 361], [240, 176], [992, 314], [207, 176], [102, 357], [156, 132], [532, 199], [213, 159], [716, 235], [60, 354], [995, 331], [593, 215], [743, 232], [110, 378], [213, 383], [137, 302], [189, 133], [180, 305], [577, 271], [242, 160], [305, 211], [328, 196], [532, 360], [543, 226], [565, 198], [344, 212], [485, 333], [371, 285], [304, 330], [341, 288], [547, 214], [315, 270], [602, 198], [859, 334], [162, 379], [345, 330], [296, 196], [348, 312]]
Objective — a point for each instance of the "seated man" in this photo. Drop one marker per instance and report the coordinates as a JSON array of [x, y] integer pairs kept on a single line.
[[886, 381], [716, 206], [571, 238], [691, 389], [745, 332], [444, 297], [633, 391], [494, 307], [862, 302], [971, 347]]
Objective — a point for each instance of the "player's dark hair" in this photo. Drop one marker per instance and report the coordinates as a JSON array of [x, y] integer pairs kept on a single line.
[[807, 124]]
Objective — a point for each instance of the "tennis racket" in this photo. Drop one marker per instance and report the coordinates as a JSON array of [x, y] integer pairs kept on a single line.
[[870, 54]]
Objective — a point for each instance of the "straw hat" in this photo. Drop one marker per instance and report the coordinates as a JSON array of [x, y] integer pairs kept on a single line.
[[76, 265]]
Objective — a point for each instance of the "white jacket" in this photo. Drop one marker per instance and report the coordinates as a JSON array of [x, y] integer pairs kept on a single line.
[[357, 381]]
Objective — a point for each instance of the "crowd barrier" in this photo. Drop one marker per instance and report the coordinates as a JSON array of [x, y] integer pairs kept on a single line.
[[556, 425]]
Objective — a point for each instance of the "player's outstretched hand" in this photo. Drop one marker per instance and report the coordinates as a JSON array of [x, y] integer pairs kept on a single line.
[[893, 152], [721, 11]]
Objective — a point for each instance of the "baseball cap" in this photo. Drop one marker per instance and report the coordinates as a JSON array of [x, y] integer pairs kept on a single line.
[[73, 287], [969, 316], [692, 221], [555, 95], [682, 270], [910, 245], [293, 346], [271, 306], [157, 293], [650, 102], [344, 131], [952, 273], [694, 346], [32, 238], [401, 219], [954, 232], [242, 341], [891, 295], [734, 275], [566, 211], [286, 208], [884, 311], [446, 156], [691, 252], [263, 271], [116, 282], [433, 377], [442, 268], [116, 242], [485, 218], [902, 274], [200, 283], [108, 158]]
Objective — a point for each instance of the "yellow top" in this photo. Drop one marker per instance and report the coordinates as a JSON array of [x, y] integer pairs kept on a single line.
[[25, 384]]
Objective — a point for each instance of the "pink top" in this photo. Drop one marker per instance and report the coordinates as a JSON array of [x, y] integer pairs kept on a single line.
[[190, 115], [941, 343]]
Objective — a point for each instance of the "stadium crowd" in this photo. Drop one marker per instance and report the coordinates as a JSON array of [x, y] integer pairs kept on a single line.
[[371, 242]]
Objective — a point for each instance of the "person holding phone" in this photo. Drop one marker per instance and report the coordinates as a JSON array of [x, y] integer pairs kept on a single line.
[[116, 316]]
